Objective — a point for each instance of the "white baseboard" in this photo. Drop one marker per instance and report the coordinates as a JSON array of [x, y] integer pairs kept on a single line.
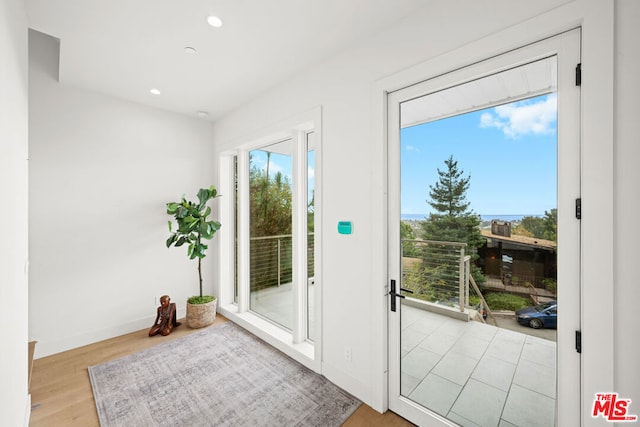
[[48, 347]]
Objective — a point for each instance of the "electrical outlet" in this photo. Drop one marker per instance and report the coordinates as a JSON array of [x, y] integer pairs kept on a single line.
[[347, 353]]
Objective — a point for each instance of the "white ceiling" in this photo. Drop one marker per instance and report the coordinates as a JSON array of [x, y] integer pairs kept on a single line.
[[126, 47]]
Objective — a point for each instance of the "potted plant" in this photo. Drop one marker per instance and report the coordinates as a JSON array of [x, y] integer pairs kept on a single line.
[[194, 226]]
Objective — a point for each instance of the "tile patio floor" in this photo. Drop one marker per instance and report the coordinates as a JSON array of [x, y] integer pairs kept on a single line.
[[477, 374], [472, 373], [276, 304]]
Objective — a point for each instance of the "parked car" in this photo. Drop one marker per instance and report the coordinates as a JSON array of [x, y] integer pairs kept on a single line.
[[539, 316]]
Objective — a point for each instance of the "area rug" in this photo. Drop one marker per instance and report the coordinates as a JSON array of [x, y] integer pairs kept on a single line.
[[220, 376]]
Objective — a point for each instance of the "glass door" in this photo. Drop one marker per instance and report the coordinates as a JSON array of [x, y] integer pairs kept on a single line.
[[271, 243], [281, 223], [483, 246]]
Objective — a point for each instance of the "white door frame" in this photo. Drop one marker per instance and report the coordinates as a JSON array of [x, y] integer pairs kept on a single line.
[[567, 48]]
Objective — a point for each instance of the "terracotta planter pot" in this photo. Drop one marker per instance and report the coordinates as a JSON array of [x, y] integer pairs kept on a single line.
[[201, 315]]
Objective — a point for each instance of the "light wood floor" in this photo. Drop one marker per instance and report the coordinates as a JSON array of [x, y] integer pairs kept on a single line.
[[61, 394]]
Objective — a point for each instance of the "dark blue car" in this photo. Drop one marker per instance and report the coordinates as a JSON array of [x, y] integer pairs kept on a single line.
[[539, 316]]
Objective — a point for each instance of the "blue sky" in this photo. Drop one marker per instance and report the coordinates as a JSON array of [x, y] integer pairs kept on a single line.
[[277, 163], [509, 151], [284, 164]]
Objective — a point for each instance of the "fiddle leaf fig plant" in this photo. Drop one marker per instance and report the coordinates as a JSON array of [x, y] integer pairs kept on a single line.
[[193, 226]]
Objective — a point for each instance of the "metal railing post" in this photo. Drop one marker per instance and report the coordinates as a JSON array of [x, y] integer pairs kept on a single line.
[[278, 262], [467, 273], [461, 294]]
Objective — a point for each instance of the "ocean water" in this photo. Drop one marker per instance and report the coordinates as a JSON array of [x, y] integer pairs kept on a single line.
[[502, 217]]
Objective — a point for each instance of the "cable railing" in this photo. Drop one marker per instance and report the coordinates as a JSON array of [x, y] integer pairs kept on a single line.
[[271, 260], [440, 272], [433, 270]]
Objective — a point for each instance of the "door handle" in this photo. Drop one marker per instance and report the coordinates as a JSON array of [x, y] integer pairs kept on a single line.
[[394, 294]]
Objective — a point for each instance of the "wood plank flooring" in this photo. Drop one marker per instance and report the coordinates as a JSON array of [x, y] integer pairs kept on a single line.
[[61, 394]]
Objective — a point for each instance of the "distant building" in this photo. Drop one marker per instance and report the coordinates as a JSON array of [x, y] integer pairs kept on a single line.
[[515, 259], [501, 228]]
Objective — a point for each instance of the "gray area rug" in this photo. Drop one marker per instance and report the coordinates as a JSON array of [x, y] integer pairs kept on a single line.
[[220, 376]]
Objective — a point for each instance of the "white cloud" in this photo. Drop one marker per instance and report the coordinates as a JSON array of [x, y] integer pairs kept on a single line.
[[274, 168], [524, 117], [412, 148]]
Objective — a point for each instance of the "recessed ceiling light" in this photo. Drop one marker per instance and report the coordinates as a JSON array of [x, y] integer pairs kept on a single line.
[[202, 113], [155, 91], [214, 21], [190, 50]]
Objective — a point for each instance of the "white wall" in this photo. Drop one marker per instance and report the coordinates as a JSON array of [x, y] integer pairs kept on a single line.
[[14, 399], [627, 202], [353, 182], [101, 171], [99, 184]]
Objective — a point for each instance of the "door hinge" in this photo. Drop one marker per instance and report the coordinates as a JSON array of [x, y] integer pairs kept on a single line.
[[579, 341], [578, 208], [579, 75]]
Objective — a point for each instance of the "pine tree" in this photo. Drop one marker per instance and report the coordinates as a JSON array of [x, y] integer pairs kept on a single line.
[[453, 221], [448, 196]]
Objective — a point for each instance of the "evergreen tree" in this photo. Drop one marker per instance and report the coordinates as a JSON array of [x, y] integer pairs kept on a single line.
[[452, 220], [551, 225], [448, 195]]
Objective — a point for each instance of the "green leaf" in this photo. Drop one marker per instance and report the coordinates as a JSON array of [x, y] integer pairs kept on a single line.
[[204, 230], [190, 222], [171, 207], [181, 212], [203, 196], [200, 250], [170, 225], [171, 239], [181, 241], [209, 229]]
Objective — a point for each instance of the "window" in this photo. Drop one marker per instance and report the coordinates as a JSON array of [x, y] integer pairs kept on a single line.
[[268, 271]]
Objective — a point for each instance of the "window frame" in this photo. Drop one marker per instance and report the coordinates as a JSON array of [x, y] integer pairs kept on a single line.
[[294, 343]]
